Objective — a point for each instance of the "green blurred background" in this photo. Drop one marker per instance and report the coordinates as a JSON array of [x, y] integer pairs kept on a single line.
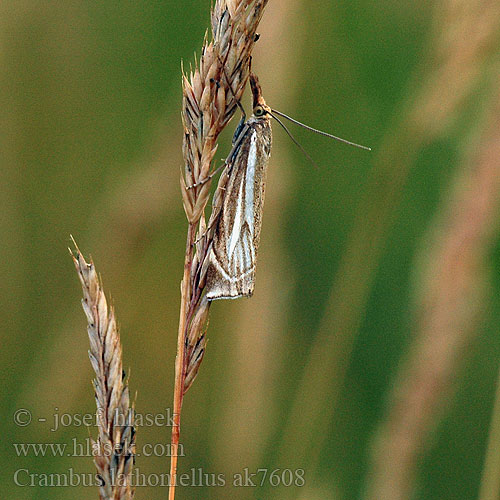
[[354, 272]]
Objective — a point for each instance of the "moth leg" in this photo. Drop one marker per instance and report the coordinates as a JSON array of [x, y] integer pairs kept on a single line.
[[214, 216], [240, 126], [210, 226], [208, 177], [232, 154], [240, 129]]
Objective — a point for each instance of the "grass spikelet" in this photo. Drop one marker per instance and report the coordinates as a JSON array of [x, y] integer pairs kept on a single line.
[[115, 444]]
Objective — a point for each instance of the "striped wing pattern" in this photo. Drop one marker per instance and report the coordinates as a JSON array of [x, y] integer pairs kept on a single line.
[[232, 257]]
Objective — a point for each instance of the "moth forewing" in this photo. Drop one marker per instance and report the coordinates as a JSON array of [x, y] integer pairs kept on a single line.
[[233, 253]]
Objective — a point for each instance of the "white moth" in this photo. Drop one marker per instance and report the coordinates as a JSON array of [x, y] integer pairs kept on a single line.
[[233, 253]]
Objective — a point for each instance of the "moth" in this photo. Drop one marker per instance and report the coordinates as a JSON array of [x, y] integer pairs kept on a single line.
[[236, 233], [233, 252]]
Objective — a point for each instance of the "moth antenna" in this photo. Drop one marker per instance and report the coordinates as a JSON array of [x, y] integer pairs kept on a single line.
[[285, 128], [320, 132]]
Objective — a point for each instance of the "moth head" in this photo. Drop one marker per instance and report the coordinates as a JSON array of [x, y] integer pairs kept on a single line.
[[259, 111], [260, 108]]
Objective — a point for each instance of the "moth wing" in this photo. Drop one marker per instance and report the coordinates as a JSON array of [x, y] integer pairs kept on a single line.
[[238, 279], [231, 272]]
